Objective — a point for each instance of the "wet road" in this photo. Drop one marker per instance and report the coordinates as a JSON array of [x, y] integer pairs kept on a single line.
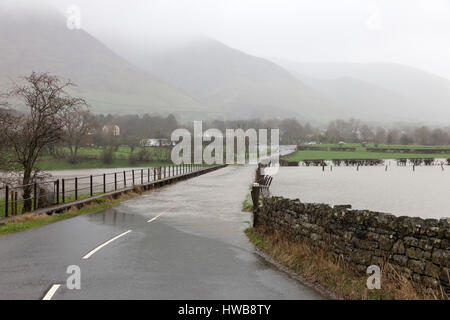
[[186, 242]]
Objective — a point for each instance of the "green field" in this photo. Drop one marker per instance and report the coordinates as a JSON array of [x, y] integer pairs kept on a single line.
[[362, 153], [53, 164], [89, 158]]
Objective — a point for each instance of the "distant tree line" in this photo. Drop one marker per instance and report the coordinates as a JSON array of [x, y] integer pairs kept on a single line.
[[134, 128], [357, 131]]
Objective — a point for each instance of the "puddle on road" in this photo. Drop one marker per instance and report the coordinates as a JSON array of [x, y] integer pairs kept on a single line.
[[115, 217]]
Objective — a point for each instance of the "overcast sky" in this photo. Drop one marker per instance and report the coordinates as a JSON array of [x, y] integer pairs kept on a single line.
[[412, 32]]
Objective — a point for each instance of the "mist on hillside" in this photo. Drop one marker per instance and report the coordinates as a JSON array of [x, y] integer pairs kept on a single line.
[[314, 61]]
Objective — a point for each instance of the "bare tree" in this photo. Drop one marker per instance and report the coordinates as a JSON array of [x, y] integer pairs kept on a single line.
[[41, 125], [78, 125], [422, 135], [380, 135], [366, 133], [392, 136]]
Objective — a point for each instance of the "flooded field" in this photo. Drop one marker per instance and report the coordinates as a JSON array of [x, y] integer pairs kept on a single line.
[[399, 190]]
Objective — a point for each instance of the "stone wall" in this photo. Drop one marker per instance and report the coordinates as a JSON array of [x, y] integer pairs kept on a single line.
[[420, 248]]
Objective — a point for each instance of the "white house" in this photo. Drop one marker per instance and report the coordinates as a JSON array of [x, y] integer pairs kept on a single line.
[[114, 129], [155, 143]]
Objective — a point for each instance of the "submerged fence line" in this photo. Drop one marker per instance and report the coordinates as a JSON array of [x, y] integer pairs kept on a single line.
[[364, 162], [19, 199]]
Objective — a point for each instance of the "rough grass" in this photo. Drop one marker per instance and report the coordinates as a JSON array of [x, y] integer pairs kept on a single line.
[[67, 198], [31, 221], [89, 158], [55, 164], [321, 268], [247, 204]]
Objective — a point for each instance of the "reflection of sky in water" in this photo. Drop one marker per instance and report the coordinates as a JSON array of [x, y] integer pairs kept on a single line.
[[399, 190]]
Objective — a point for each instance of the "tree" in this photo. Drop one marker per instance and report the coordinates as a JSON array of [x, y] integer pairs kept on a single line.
[[392, 136], [380, 135], [78, 124], [404, 139], [438, 137], [291, 132], [422, 135], [366, 134], [41, 125]]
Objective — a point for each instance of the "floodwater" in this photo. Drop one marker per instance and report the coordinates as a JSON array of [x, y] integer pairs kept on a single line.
[[401, 191], [186, 241]]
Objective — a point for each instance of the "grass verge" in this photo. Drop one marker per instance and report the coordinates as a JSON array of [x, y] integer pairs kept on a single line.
[[56, 164], [362, 153], [247, 204], [31, 221], [330, 155], [316, 266]]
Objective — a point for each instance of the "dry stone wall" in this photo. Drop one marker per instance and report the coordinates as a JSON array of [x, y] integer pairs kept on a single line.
[[420, 248]]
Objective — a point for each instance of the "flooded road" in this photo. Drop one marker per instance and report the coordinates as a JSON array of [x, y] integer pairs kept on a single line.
[[183, 241], [399, 190]]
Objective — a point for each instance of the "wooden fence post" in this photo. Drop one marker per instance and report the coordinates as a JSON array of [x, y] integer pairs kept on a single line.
[[255, 199], [35, 200], [90, 185], [6, 201], [142, 176], [13, 204], [76, 188], [132, 174], [115, 180], [104, 183], [57, 191], [63, 191], [124, 179]]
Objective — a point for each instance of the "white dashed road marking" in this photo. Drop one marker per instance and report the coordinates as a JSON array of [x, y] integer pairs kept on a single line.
[[105, 244], [153, 219], [51, 292]]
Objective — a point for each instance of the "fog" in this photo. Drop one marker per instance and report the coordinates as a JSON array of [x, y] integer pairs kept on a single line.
[[411, 32]]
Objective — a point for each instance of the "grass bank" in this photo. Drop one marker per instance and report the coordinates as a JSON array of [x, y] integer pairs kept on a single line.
[[90, 158], [247, 204], [31, 221], [67, 198], [54, 164], [318, 267], [362, 153]]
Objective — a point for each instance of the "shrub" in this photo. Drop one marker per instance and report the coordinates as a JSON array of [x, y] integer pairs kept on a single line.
[[133, 158], [107, 156], [142, 156]]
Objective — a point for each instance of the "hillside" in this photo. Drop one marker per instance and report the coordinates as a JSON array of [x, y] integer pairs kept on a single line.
[[233, 82], [40, 41], [378, 89]]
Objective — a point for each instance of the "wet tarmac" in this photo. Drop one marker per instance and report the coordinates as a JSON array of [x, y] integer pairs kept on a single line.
[[187, 242]]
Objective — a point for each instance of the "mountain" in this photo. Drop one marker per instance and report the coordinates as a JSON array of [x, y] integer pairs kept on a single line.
[[361, 99], [38, 40], [378, 89], [233, 82]]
